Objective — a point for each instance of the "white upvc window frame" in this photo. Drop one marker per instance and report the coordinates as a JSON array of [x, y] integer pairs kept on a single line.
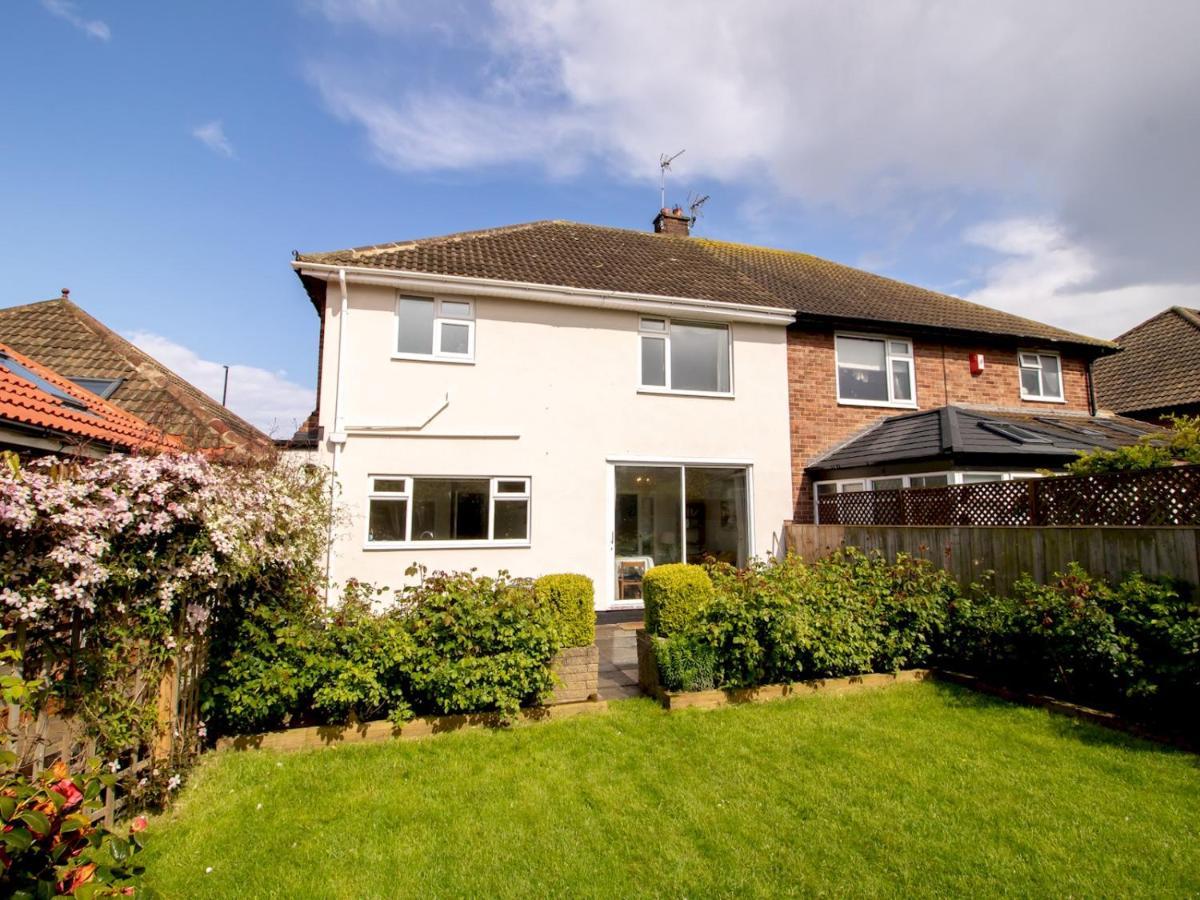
[[1037, 366], [495, 496], [889, 356], [439, 320], [648, 332]]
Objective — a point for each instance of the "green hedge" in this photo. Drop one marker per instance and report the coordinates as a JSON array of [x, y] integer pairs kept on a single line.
[[674, 594], [571, 600], [1132, 646]]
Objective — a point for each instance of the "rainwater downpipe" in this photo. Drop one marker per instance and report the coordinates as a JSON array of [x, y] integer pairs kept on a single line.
[[338, 436]]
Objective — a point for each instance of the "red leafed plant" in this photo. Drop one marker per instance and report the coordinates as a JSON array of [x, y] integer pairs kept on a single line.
[[48, 843]]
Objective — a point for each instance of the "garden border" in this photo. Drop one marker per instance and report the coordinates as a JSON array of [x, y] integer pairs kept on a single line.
[[1103, 718], [673, 701], [323, 736]]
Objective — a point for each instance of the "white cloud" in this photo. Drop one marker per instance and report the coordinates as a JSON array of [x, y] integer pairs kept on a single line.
[[1041, 274], [212, 135], [269, 400], [69, 12], [1083, 109]]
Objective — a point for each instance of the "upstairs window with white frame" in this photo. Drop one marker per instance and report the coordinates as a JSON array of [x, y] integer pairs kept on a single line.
[[875, 371], [447, 512], [685, 357], [1041, 376], [429, 328]]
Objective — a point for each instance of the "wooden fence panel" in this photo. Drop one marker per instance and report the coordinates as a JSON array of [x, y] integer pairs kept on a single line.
[[970, 553]]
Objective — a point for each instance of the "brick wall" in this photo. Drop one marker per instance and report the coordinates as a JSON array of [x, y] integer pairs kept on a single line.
[[578, 670], [943, 375]]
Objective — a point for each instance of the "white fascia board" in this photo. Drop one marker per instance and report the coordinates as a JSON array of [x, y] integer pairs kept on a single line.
[[560, 294]]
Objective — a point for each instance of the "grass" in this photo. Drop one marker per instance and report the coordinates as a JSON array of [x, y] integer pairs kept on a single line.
[[914, 790]]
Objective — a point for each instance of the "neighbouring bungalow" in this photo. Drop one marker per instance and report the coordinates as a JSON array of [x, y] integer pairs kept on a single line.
[[1157, 372], [62, 336], [556, 396], [42, 412]]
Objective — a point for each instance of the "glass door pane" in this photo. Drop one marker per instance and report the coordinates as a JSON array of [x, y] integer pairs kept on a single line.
[[647, 523], [716, 515]]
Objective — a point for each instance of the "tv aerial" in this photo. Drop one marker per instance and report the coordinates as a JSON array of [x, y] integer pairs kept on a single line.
[[664, 163]]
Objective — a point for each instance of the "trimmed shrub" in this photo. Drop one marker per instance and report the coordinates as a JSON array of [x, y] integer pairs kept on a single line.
[[571, 600], [674, 594]]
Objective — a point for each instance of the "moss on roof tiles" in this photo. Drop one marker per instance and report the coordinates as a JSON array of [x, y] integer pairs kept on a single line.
[[572, 254]]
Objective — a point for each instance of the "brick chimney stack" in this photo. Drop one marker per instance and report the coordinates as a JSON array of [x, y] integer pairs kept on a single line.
[[672, 221]]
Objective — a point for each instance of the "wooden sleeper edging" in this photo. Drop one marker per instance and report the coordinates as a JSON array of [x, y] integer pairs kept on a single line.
[[319, 736]]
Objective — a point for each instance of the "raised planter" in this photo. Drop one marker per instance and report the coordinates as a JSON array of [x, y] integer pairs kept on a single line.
[[649, 683], [763, 693], [318, 736], [578, 672]]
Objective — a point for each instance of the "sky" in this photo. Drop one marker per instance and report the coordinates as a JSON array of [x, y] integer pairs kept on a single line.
[[163, 160]]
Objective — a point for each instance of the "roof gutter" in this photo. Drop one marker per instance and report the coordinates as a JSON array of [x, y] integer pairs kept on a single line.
[[559, 294]]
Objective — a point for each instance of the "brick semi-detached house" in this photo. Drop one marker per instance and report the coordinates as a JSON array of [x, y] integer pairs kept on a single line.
[[563, 397]]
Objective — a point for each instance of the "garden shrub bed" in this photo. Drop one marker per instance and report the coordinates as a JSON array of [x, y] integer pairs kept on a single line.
[[451, 643], [1132, 646]]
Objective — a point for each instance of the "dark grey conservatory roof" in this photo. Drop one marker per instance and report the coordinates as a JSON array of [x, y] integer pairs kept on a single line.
[[980, 435]]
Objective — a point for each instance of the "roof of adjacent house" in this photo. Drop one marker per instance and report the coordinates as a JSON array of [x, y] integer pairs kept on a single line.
[[640, 262], [957, 431], [36, 398], [61, 335], [1158, 366]]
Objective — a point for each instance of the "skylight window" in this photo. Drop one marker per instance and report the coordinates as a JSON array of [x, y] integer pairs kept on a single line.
[[101, 387], [7, 362], [1014, 432]]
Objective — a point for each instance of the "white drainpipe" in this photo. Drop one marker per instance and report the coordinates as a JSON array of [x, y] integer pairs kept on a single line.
[[338, 436]]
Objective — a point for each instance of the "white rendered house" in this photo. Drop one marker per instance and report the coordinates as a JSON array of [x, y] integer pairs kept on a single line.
[[549, 398]]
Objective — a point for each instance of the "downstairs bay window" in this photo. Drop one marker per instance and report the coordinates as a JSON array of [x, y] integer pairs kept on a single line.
[[433, 512]]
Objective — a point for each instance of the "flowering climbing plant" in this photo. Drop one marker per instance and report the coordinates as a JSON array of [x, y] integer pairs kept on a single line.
[[110, 568]]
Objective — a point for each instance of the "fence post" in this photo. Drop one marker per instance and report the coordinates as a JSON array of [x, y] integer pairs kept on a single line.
[[167, 689], [1035, 511]]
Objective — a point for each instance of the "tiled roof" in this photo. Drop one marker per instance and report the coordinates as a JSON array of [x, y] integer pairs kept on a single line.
[[974, 435], [89, 419], [1158, 366], [64, 337], [641, 262]]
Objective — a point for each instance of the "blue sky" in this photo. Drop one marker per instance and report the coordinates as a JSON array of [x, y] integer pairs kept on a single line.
[[162, 160]]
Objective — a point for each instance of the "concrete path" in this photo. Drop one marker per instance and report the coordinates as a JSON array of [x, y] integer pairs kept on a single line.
[[618, 660]]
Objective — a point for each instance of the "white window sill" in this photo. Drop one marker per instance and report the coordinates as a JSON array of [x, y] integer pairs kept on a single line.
[[667, 392], [443, 545], [420, 357], [878, 404], [1043, 399]]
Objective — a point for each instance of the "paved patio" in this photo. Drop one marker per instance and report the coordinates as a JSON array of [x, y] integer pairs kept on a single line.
[[617, 643]]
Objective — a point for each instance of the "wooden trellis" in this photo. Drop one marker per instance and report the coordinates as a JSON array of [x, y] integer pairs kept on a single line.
[[1151, 498]]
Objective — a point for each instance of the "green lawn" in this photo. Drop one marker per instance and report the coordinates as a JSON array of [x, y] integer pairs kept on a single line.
[[917, 789]]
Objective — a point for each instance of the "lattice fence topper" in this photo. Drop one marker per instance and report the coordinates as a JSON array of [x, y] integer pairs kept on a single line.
[[1154, 497]]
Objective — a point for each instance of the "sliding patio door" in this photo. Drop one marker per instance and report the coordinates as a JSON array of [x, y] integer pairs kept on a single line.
[[667, 514]]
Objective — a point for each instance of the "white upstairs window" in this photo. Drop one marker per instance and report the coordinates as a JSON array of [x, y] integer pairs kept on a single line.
[[875, 371], [432, 328], [1041, 377], [685, 357]]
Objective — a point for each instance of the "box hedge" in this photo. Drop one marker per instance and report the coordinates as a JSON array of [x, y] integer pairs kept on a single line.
[[673, 595], [571, 598]]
